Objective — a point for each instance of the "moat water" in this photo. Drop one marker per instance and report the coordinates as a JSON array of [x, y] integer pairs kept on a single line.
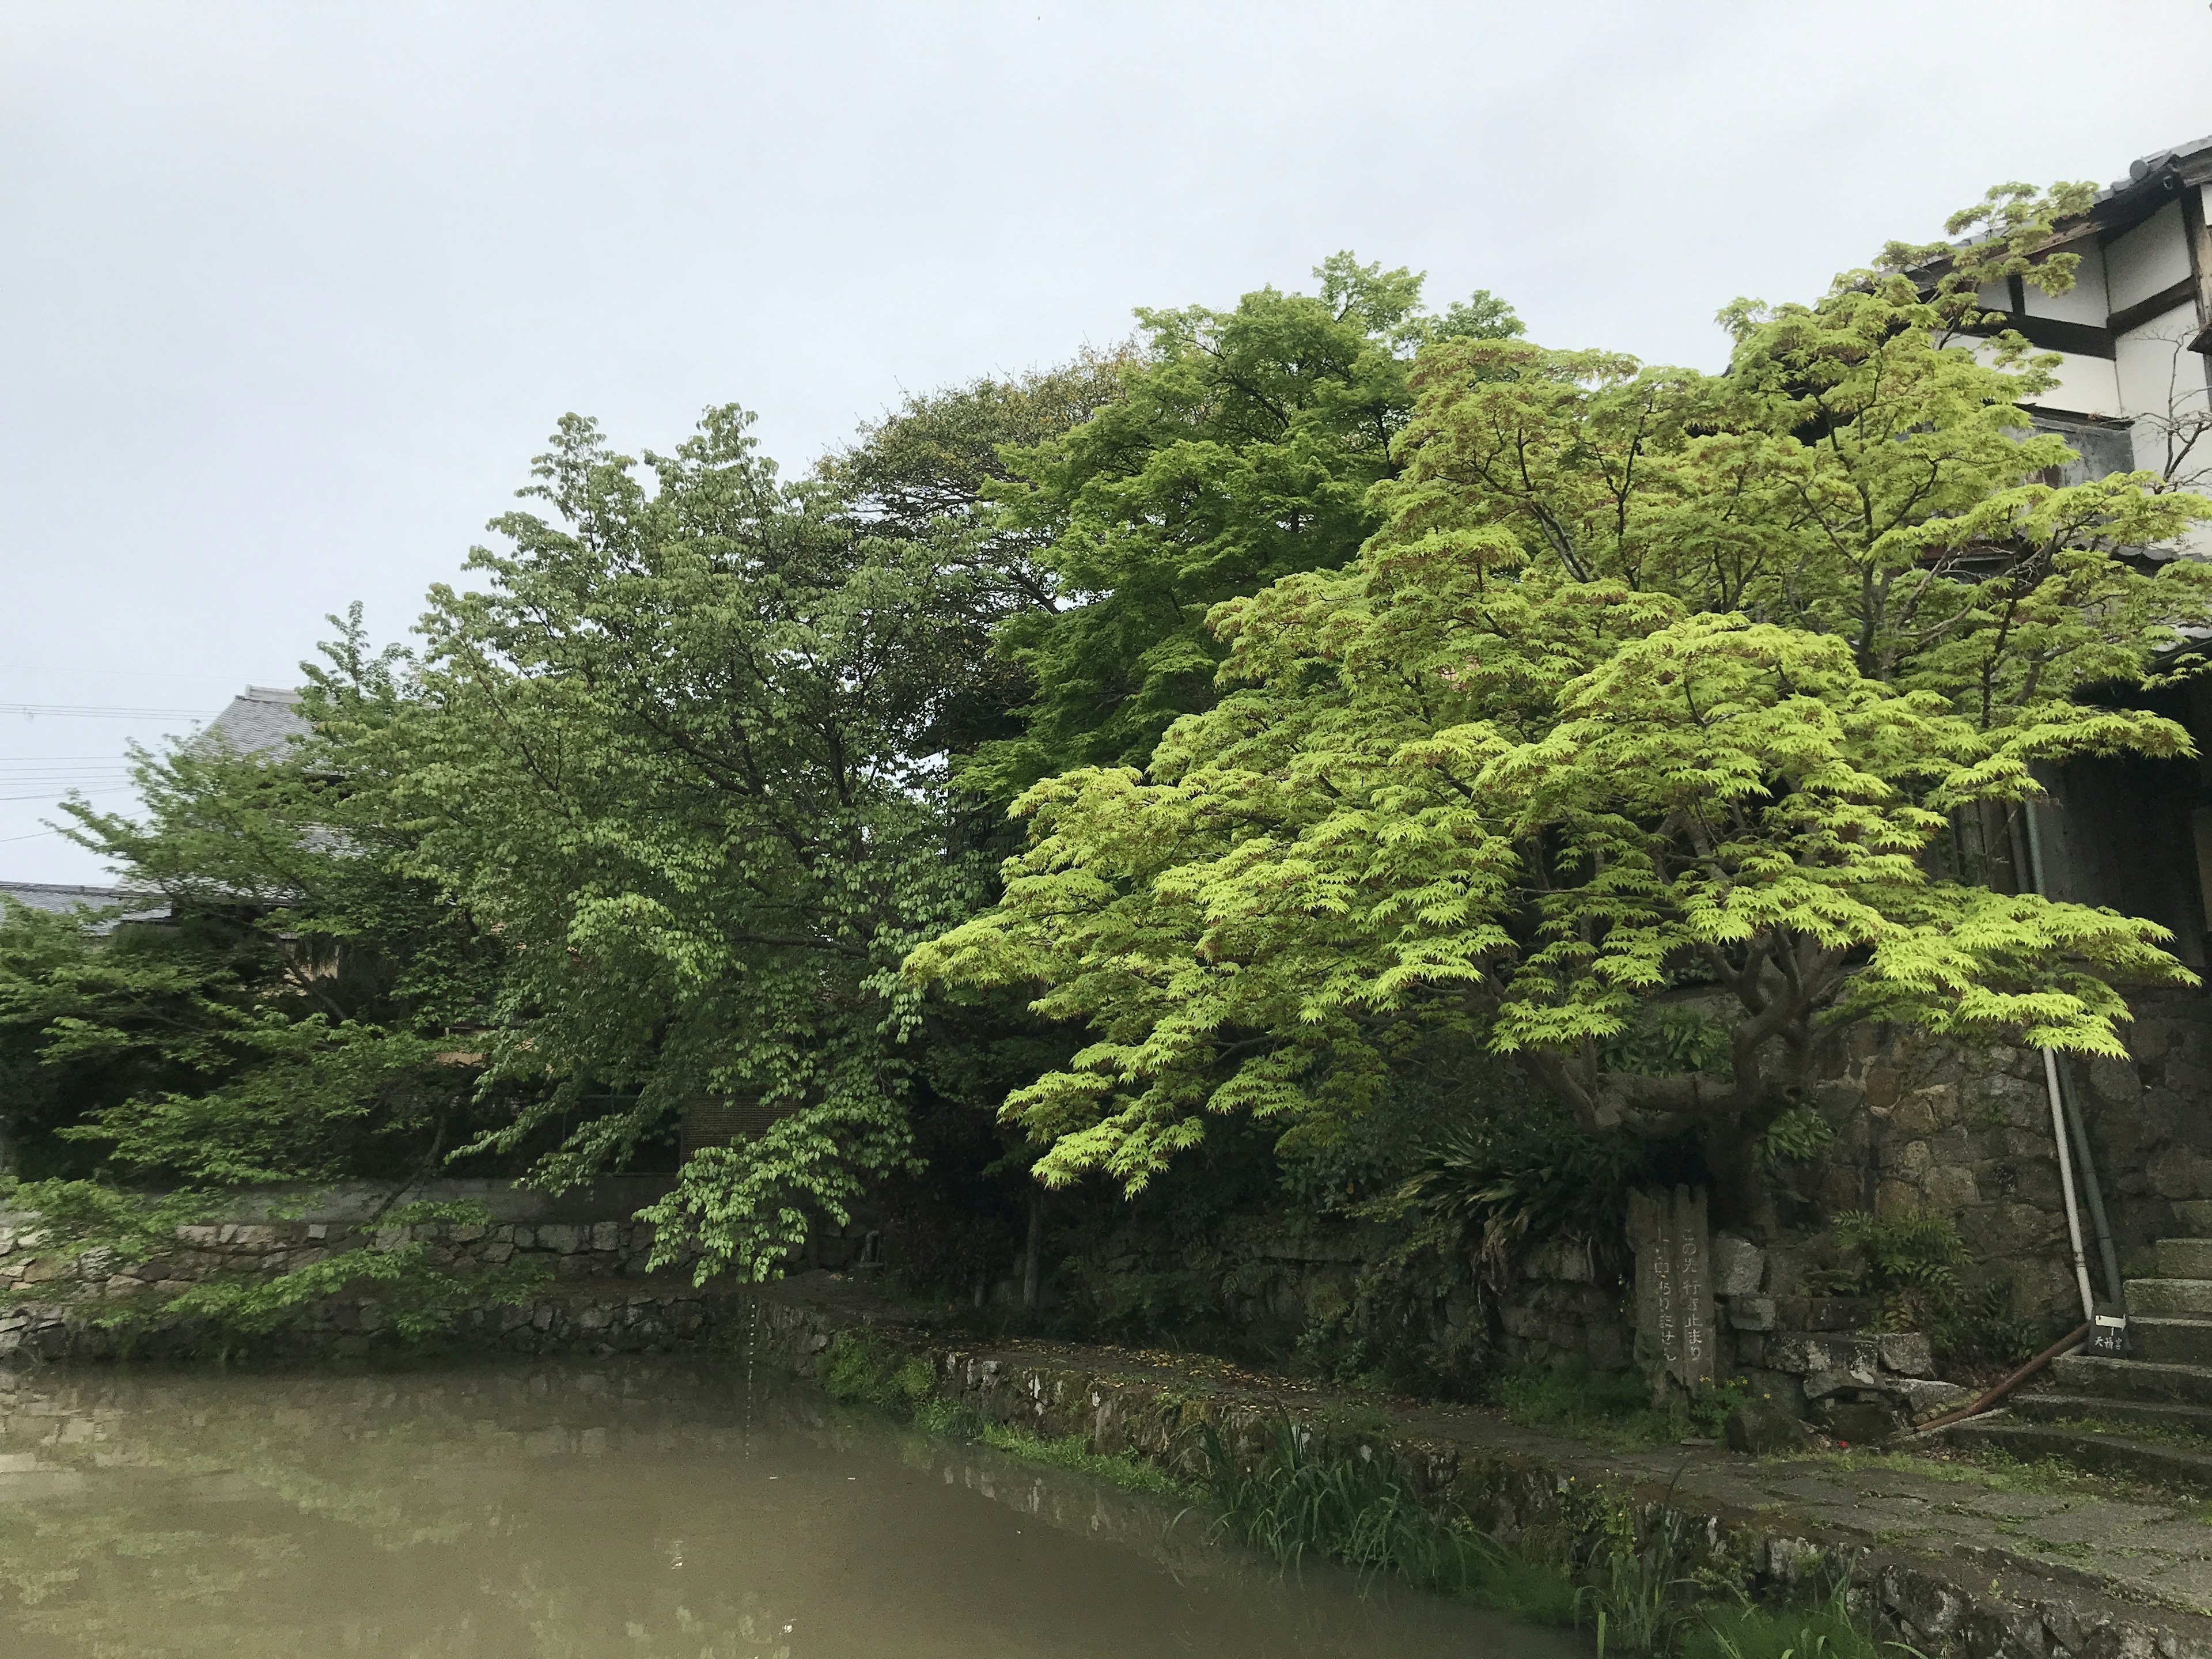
[[628, 1510]]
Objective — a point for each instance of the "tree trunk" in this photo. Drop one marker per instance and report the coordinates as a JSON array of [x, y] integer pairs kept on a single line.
[[1742, 1197], [1029, 1251]]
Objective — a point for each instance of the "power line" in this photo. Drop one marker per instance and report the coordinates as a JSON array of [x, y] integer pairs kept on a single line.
[[91, 711]]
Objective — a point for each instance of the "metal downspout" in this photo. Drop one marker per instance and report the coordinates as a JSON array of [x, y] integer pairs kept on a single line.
[[2060, 1133]]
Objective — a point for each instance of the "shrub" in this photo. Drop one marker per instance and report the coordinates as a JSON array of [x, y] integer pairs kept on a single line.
[[858, 1370]]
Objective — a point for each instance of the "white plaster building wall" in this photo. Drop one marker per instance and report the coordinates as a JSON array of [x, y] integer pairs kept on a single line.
[[2149, 259], [2159, 377], [2086, 303], [2161, 381], [2085, 386]]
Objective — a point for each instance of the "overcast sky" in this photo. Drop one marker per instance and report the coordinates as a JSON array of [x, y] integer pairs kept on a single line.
[[290, 294]]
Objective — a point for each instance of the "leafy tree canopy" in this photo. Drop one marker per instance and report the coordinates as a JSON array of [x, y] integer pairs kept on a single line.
[[681, 754], [1241, 450], [294, 1021], [1651, 686]]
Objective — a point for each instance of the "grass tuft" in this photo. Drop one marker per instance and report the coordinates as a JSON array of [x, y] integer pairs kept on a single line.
[[1826, 1629], [1360, 1509], [1612, 1408], [1074, 1453]]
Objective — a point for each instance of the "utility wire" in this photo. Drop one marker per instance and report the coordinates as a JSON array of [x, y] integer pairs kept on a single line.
[[91, 711]]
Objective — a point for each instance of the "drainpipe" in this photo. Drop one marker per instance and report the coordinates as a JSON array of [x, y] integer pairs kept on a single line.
[[2108, 1258], [2059, 1133]]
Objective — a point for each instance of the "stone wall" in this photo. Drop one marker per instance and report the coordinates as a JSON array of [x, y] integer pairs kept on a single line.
[[1929, 1127], [1921, 1126], [585, 1287]]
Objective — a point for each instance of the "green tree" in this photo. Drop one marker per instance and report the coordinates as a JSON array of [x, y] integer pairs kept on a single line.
[[293, 1018], [1651, 686], [684, 755], [1241, 450]]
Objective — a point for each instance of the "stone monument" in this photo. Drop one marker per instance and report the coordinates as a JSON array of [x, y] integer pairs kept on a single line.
[[1676, 1332]]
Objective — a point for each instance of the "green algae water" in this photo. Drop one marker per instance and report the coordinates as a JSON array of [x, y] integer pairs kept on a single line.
[[618, 1509]]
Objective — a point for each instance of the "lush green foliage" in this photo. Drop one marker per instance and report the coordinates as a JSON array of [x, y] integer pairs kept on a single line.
[[1535, 1174], [294, 1021], [1377, 686], [1826, 1629], [1915, 1267], [1649, 684], [676, 754], [1241, 451], [1359, 1508]]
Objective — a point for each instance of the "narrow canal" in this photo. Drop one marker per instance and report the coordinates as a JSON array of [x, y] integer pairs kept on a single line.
[[609, 1510]]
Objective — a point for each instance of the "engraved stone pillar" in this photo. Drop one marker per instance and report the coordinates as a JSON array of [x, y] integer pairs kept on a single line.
[[1675, 1326]]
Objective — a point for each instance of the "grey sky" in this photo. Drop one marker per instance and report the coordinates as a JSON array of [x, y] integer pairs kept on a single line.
[[289, 295]]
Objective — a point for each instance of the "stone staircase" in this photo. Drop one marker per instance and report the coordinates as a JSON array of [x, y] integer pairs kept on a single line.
[[2148, 1416]]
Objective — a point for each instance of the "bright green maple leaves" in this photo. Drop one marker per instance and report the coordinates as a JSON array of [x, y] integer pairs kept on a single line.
[[1651, 684]]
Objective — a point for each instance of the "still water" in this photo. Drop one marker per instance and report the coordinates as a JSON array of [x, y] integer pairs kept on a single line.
[[628, 1510]]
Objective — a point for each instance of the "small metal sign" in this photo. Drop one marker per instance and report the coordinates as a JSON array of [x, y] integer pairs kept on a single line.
[[2108, 1331]]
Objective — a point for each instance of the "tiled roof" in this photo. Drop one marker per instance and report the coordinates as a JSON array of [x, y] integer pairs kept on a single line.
[[60, 899], [261, 720], [2143, 165]]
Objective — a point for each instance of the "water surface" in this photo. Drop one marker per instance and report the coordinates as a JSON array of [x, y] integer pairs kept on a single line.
[[618, 1509]]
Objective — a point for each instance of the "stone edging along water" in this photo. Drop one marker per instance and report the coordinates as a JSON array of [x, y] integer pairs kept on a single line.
[[1987, 1602], [1514, 1486]]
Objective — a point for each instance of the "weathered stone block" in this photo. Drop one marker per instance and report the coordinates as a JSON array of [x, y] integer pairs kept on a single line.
[[1760, 1428], [1738, 1265], [1905, 1352], [2114, 1082], [1894, 1199], [1923, 1395], [565, 1237], [2194, 1215], [2179, 1172], [1804, 1353], [1751, 1313], [1951, 1186]]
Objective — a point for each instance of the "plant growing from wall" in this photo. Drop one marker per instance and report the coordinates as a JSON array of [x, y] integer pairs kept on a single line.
[[1917, 1268]]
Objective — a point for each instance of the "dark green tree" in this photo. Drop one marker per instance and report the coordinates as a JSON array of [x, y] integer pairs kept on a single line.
[[1241, 451]]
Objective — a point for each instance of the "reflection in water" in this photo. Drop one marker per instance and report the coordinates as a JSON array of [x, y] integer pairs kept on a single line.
[[617, 1510]]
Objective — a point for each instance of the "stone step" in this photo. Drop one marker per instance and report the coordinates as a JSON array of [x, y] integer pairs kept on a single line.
[[2168, 1416], [2184, 1258], [2175, 1341], [2151, 1298], [2133, 1379], [2084, 1449]]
